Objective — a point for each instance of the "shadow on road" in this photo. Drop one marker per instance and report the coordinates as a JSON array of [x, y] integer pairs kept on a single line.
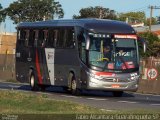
[[86, 93]]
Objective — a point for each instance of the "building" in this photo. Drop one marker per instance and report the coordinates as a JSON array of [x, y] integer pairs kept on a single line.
[[154, 28], [7, 43]]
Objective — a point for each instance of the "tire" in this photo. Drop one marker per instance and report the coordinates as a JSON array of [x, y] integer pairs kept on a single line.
[[117, 93], [33, 82], [74, 89]]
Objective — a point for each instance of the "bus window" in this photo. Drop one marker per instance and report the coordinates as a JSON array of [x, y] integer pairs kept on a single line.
[[81, 46], [69, 38], [45, 38], [51, 38], [40, 38], [26, 37], [60, 38], [35, 38], [31, 38], [21, 37]]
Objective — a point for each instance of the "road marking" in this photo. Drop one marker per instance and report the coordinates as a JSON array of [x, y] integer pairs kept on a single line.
[[98, 99], [69, 96], [107, 110], [13, 86], [14, 83], [127, 102], [145, 94], [155, 104]]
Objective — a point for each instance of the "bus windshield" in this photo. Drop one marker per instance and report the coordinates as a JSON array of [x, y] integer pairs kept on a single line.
[[113, 54]]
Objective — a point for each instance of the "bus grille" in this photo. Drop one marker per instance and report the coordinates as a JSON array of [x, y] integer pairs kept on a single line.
[[115, 80]]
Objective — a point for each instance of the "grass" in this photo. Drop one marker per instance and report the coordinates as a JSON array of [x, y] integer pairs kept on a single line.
[[40, 106], [14, 102], [28, 106]]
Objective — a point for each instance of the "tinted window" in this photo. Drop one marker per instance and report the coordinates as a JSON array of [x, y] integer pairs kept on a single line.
[[21, 37], [81, 45], [64, 38], [26, 37], [52, 38], [69, 38], [31, 38], [60, 38]]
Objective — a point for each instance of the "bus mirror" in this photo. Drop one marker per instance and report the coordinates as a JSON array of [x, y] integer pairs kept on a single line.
[[87, 42], [143, 42]]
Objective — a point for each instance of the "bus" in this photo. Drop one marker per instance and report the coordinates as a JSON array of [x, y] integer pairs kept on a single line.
[[70, 54]]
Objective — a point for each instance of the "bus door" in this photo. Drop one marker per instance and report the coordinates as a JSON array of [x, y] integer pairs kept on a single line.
[[50, 54]]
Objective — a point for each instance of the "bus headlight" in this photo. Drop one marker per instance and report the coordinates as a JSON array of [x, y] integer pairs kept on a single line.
[[134, 76], [92, 75]]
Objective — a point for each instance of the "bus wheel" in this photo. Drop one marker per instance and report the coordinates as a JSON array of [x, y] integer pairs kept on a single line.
[[33, 82], [117, 93], [74, 89]]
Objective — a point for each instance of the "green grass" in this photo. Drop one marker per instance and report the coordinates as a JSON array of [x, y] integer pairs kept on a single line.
[[28, 106], [14, 102]]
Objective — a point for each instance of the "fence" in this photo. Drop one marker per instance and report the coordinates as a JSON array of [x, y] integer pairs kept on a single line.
[[7, 66]]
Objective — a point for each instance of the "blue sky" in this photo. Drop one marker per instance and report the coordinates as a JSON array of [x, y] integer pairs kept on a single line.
[[72, 7]]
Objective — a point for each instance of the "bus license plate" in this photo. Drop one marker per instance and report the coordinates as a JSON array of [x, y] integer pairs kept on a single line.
[[115, 86]]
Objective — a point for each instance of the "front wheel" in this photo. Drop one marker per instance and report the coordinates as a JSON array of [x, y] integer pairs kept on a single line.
[[74, 89]]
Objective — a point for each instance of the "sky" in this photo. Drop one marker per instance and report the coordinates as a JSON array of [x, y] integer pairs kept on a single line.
[[72, 7]]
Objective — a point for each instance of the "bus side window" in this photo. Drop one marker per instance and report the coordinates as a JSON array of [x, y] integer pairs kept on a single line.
[[40, 38], [51, 38], [60, 38], [31, 38], [35, 38], [26, 37], [69, 38], [43, 44], [81, 46], [21, 37]]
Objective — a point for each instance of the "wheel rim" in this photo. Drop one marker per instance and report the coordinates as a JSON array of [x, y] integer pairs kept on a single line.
[[74, 85], [32, 81]]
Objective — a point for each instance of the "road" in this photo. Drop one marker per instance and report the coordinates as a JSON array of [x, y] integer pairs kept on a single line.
[[99, 99]]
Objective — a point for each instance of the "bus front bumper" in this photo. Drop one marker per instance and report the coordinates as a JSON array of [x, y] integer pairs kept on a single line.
[[95, 84]]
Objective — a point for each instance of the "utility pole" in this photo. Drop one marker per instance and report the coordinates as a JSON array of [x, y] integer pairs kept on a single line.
[[100, 13], [151, 14]]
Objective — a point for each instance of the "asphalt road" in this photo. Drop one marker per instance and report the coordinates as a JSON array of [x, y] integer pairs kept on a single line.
[[99, 99]]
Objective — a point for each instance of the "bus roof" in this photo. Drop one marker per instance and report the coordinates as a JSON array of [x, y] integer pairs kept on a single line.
[[95, 25]]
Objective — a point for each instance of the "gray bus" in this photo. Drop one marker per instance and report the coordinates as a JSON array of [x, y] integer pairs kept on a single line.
[[91, 54]]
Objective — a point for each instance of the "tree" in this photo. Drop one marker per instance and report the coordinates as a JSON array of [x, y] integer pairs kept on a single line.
[[153, 44], [96, 12], [133, 17], [2, 14], [34, 10], [154, 21]]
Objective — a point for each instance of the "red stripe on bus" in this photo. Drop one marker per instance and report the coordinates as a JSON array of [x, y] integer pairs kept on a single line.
[[38, 68]]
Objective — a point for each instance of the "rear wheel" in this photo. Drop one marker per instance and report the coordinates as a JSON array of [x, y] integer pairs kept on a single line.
[[117, 93], [33, 82], [74, 89]]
